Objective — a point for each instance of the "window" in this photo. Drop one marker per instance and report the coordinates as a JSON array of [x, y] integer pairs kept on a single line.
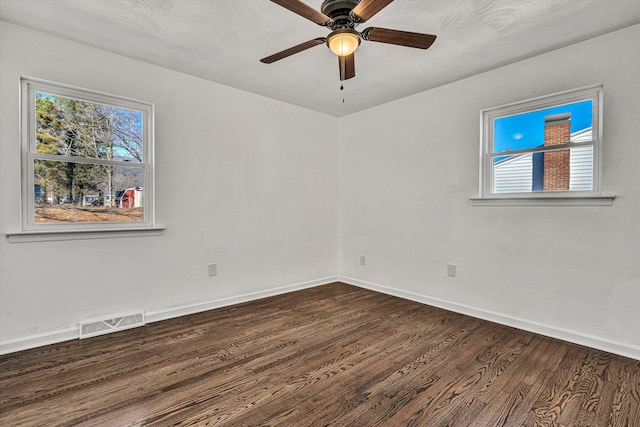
[[548, 147], [87, 160]]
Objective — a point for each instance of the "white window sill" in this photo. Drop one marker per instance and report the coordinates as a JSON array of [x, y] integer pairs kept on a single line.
[[544, 201], [51, 235]]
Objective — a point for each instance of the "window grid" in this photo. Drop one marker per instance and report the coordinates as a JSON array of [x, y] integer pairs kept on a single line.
[[577, 147], [29, 88]]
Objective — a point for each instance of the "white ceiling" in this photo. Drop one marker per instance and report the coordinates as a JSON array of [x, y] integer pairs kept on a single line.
[[223, 40]]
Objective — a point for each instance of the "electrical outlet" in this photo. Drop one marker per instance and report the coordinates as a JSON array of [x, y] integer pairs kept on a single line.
[[363, 260], [213, 269], [451, 270]]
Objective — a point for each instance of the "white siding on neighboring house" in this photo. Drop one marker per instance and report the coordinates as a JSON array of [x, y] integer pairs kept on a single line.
[[583, 135], [515, 174], [581, 168]]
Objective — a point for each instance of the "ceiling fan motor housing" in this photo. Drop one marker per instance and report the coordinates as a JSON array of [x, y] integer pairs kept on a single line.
[[339, 11]]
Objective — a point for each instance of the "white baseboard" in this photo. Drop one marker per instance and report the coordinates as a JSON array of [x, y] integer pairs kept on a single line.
[[71, 332], [38, 340], [598, 343]]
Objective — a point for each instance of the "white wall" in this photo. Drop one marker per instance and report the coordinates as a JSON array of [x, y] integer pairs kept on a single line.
[[409, 168], [272, 198], [241, 181]]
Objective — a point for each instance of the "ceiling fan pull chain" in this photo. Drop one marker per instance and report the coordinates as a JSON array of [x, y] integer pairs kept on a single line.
[[342, 88]]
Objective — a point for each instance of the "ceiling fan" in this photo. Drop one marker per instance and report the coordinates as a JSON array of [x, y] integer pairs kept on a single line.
[[341, 17]]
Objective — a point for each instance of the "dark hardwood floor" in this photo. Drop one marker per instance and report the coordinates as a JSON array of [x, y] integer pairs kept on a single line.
[[333, 355]]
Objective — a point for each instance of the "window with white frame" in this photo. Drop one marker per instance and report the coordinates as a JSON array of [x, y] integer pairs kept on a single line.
[[545, 147], [87, 159]]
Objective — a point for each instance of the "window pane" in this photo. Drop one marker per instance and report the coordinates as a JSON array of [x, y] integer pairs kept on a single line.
[[527, 130], [513, 174], [82, 192], [581, 168], [71, 127], [559, 170]]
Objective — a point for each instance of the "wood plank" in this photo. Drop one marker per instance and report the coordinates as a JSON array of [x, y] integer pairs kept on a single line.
[[330, 355]]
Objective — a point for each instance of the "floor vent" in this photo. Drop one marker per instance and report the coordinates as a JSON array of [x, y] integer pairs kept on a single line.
[[113, 323]]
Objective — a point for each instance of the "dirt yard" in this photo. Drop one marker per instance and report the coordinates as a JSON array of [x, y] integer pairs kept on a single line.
[[72, 213]]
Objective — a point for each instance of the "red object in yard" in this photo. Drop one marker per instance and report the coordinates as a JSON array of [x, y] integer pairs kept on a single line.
[[130, 198]]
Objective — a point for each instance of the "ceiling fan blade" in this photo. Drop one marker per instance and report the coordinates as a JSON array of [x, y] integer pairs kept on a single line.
[[367, 8], [295, 49], [397, 37], [304, 10], [347, 66]]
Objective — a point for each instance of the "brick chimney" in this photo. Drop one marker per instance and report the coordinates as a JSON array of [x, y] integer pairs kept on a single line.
[[557, 130]]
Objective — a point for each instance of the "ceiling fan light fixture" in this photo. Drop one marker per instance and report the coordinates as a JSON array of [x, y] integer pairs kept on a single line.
[[343, 42]]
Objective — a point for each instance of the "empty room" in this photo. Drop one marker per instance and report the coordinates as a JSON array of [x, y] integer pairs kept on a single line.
[[320, 213]]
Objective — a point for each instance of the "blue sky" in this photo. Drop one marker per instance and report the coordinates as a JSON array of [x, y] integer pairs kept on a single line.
[[527, 130]]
